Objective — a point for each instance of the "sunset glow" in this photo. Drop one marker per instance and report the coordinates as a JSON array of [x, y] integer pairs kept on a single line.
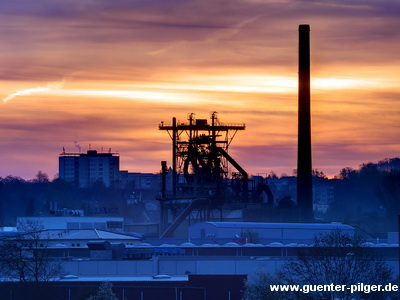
[[107, 73]]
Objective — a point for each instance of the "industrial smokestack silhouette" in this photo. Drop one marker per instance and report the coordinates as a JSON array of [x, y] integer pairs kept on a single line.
[[304, 162]]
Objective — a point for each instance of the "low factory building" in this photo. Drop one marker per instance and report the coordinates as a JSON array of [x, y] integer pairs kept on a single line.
[[248, 232]]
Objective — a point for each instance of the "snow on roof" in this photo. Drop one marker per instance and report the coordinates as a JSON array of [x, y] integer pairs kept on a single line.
[[279, 225], [8, 229], [83, 234], [275, 244], [167, 245], [188, 245], [210, 245], [63, 222], [234, 214], [126, 278]]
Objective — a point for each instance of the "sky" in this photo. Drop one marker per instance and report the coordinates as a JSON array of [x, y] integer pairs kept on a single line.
[[104, 74]]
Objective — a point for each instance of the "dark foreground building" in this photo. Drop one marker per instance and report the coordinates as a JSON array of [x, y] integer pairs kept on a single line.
[[190, 287]]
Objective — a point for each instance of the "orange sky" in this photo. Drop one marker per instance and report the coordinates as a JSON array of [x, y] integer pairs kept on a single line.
[[105, 74]]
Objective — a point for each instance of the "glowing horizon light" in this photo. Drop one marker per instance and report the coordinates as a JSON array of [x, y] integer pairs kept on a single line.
[[183, 91], [346, 83], [245, 83], [143, 96], [337, 83]]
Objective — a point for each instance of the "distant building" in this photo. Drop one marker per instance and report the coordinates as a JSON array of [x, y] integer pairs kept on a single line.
[[323, 195], [63, 238], [283, 187], [114, 224], [140, 181], [323, 192], [86, 169]]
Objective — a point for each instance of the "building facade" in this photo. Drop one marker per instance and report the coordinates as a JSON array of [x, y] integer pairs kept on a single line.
[[86, 169]]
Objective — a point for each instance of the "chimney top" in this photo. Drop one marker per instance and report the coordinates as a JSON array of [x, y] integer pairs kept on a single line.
[[304, 27]]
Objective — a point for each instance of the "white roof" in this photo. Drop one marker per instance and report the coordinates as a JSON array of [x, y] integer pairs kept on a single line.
[[83, 234], [125, 278], [8, 229], [61, 222], [278, 225]]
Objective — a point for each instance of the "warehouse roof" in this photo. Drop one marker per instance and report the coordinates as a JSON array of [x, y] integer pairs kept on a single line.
[[278, 225], [81, 234]]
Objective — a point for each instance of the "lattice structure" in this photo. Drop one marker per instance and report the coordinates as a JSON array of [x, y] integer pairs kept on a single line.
[[201, 178], [200, 159]]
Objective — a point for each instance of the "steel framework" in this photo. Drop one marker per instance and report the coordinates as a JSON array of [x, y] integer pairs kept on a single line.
[[200, 159], [201, 177]]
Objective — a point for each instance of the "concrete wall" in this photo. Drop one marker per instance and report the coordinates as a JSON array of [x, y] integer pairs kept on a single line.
[[171, 266], [185, 266]]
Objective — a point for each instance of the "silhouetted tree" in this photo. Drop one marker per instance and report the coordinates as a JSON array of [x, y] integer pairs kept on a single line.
[[41, 177], [258, 287], [346, 173], [104, 293], [390, 197], [25, 256], [336, 258], [368, 193], [340, 259], [13, 180], [317, 173]]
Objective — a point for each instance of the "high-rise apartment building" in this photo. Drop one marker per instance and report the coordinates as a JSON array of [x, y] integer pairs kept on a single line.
[[86, 169]]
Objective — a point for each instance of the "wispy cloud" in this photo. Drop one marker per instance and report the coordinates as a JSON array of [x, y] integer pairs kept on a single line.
[[35, 90], [219, 34], [135, 63]]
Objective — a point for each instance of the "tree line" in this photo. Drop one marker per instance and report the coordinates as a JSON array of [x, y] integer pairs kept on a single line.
[[370, 192], [41, 196]]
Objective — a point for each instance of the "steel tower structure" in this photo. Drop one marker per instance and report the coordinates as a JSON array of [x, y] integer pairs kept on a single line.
[[200, 155], [201, 176]]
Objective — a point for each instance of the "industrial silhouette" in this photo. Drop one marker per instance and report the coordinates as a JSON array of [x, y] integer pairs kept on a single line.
[[304, 163], [200, 179]]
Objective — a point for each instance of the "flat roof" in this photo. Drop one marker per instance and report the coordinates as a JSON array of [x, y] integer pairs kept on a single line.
[[157, 278], [278, 225], [82, 234]]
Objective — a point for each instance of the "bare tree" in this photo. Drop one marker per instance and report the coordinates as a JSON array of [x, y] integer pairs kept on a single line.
[[258, 287], [340, 259], [335, 258], [25, 257]]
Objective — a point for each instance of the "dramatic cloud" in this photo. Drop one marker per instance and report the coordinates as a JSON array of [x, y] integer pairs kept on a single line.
[[131, 64]]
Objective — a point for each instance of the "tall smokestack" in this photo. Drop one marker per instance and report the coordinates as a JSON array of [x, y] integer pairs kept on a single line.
[[304, 162]]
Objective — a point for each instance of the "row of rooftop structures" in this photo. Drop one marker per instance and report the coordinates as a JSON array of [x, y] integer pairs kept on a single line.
[[217, 248], [87, 169], [219, 233], [79, 232]]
